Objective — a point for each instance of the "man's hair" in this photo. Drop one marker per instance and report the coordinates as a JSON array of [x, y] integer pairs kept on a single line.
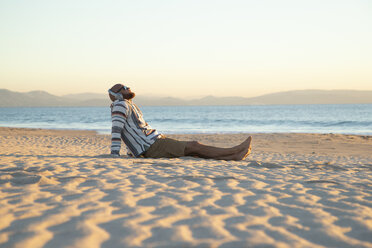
[[115, 89]]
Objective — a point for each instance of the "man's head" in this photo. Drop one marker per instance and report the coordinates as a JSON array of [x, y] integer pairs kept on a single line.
[[120, 92]]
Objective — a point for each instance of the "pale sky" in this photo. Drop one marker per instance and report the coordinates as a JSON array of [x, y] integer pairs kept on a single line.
[[187, 47]]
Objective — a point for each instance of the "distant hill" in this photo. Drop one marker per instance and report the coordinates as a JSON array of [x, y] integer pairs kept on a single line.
[[44, 99], [31, 99], [315, 97], [86, 96]]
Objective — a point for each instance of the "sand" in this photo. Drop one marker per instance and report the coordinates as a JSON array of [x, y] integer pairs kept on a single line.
[[58, 189]]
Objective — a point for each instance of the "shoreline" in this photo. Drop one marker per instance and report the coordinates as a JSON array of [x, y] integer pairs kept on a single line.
[[58, 188], [5, 128], [284, 143]]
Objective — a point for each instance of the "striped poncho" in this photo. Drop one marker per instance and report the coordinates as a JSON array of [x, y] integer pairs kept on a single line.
[[128, 125]]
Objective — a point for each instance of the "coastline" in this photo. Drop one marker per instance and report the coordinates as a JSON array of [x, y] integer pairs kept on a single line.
[[328, 144], [57, 189]]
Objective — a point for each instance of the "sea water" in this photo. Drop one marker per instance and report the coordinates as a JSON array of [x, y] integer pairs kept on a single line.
[[344, 118]]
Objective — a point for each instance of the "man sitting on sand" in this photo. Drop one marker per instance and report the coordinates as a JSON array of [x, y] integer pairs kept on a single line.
[[141, 140]]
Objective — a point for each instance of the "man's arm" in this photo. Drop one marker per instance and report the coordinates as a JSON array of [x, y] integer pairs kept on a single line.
[[119, 114]]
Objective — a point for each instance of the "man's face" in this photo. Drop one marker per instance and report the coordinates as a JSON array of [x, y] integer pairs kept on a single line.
[[128, 94]]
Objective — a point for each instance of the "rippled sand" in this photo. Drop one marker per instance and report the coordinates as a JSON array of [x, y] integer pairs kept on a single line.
[[58, 189]]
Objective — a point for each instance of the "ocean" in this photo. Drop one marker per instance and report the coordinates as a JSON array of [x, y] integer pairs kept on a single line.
[[342, 119]]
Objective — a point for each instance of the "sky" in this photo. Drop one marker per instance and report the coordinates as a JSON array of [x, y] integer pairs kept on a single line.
[[185, 48]]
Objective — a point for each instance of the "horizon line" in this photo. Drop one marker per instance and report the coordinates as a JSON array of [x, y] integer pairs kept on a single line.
[[188, 97]]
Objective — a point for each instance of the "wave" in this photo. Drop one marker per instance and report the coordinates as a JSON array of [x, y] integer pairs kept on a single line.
[[265, 122]]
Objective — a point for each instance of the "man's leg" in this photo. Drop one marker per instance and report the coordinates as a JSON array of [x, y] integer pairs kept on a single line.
[[237, 156], [239, 152]]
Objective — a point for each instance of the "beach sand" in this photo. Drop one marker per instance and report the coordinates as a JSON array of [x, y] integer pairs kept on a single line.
[[58, 189]]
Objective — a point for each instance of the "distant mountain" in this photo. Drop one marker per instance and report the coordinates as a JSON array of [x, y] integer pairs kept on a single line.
[[315, 97], [31, 99], [86, 96], [44, 99]]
